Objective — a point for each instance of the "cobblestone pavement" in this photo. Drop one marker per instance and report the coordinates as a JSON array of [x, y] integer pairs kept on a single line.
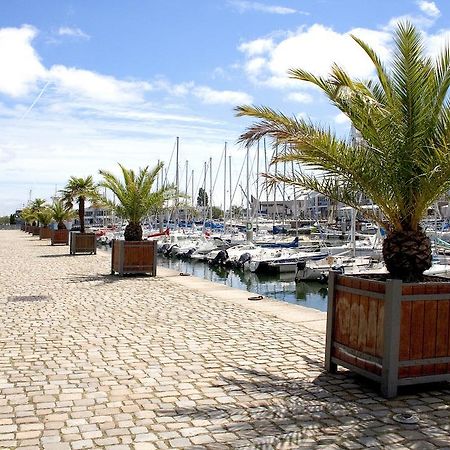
[[88, 360]]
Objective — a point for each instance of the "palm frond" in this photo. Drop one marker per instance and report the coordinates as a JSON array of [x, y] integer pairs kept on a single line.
[[402, 160], [135, 198]]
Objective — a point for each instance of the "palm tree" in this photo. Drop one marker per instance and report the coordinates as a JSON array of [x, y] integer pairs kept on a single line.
[[45, 216], [35, 206], [28, 215], [135, 197], [60, 213], [80, 190], [402, 160]]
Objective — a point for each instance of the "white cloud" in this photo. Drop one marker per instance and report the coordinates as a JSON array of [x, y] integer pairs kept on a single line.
[[177, 90], [255, 65], [300, 97], [420, 21], [96, 86], [20, 65], [257, 46], [313, 49], [435, 43], [244, 6], [73, 32], [87, 120], [429, 8], [211, 96], [81, 136], [205, 94], [317, 47]]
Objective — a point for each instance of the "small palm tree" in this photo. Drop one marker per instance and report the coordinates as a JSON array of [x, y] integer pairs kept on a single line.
[[60, 213], [80, 190], [135, 197], [35, 206], [28, 215], [401, 162], [45, 216]]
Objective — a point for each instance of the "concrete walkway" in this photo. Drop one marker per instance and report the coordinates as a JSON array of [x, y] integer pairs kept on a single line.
[[88, 360]]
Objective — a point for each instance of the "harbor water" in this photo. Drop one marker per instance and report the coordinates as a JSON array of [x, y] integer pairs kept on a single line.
[[280, 287]]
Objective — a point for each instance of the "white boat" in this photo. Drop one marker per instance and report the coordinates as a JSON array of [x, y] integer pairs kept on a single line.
[[205, 247], [283, 261], [318, 270]]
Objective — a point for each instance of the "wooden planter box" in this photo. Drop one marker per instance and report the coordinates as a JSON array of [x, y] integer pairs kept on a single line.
[[83, 243], [27, 229], [392, 332], [133, 257], [60, 237], [35, 231], [45, 233]]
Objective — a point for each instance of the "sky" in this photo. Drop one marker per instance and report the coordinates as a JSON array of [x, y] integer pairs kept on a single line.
[[85, 85]]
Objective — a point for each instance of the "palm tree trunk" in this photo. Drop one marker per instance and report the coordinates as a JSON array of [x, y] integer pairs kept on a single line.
[[81, 213], [407, 254], [133, 232]]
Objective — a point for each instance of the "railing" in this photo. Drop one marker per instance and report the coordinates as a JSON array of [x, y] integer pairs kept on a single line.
[[10, 227]]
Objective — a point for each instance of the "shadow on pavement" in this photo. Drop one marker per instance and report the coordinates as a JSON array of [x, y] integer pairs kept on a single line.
[[329, 410]]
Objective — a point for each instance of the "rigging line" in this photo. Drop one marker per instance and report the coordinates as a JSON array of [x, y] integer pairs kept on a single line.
[[200, 180], [217, 173], [35, 101], [239, 178], [170, 162]]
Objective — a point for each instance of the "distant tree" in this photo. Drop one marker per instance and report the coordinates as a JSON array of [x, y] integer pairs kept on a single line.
[[12, 219], [217, 213], [4, 220], [202, 198]]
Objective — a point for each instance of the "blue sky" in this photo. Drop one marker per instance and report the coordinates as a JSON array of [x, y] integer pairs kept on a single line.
[[87, 84]]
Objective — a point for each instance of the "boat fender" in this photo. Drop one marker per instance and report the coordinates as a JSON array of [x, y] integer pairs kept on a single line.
[[338, 268], [220, 258], [168, 250], [163, 248], [245, 257], [323, 278]]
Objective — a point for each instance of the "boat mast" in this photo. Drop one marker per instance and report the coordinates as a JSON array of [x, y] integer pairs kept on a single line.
[[284, 190], [295, 202], [231, 194], [257, 187], [210, 189], [249, 225], [186, 202], [192, 188], [204, 196], [177, 182], [275, 208], [224, 185]]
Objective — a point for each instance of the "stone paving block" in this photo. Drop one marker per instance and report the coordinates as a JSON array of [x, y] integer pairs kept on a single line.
[[84, 443], [144, 446]]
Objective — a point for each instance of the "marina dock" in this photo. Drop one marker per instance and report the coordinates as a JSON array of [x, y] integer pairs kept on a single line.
[[91, 360]]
